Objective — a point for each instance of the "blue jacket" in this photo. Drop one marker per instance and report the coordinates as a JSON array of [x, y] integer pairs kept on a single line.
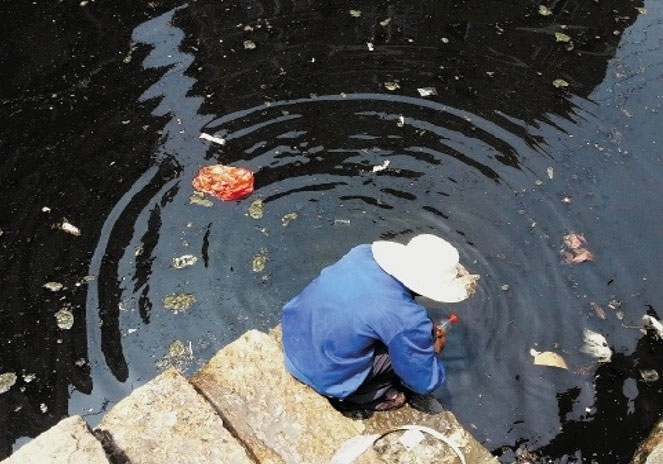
[[330, 329]]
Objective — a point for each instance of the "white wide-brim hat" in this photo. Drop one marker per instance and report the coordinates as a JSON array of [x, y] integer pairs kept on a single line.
[[427, 265]]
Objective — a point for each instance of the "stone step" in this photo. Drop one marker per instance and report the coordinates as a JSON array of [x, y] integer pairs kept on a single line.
[[279, 419], [68, 442], [167, 422]]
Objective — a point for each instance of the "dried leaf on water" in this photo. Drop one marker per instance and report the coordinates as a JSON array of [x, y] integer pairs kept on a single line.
[[391, 85], [65, 319], [184, 261], [578, 256], [385, 22], [548, 358], [544, 10], [285, 220], [559, 83], [649, 375], [7, 380], [595, 344], [53, 286], [198, 198], [600, 313], [561, 37], [355, 13], [574, 241], [427, 91], [256, 209], [179, 301], [641, 10], [551, 172], [69, 228], [614, 303], [249, 44]]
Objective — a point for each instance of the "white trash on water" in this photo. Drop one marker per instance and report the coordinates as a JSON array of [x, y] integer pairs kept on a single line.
[[595, 344]]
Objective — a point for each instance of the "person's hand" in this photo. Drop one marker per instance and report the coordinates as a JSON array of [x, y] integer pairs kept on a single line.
[[440, 340]]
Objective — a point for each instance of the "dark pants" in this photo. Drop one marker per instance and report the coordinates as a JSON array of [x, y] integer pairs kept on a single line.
[[381, 378]]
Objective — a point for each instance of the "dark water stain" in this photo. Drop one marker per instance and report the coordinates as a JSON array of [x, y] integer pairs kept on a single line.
[[101, 109]]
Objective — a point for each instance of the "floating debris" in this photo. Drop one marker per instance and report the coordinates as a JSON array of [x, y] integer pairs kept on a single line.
[[575, 252], [184, 261], [600, 313], [427, 91], [45, 209], [179, 301], [370, 46], [651, 323], [69, 228], [224, 182], [641, 10], [561, 37], [560, 83], [355, 13], [256, 209], [249, 44], [401, 121], [574, 241], [614, 303], [595, 344], [385, 22], [551, 173], [27, 378], [649, 375], [259, 262], [548, 358], [342, 221], [198, 198], [285, 220], [544, 10], [178, 356], [444, 40], [64, 319], [43, 408], [7, 380], [504, 287], [381, 167], [391, 85], [211, 138], [53, 286]]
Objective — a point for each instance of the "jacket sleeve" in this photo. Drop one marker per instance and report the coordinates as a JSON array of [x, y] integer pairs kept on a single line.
[[414, 359]]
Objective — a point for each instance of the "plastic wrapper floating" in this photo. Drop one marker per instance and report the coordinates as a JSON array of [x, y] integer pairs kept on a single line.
[[224, 182]]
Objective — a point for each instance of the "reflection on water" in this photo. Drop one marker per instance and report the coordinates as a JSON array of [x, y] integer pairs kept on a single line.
[[500, 162]]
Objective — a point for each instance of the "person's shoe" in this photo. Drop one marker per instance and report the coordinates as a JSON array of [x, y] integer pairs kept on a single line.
[[392, 399]]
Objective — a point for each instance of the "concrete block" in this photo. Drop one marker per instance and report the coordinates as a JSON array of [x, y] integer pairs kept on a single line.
[[167, 421], [279, 419], [68, 442]]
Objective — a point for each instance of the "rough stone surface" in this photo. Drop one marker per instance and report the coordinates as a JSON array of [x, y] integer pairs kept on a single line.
[[167, 421], [68, 442], [279, 419], [651, 450]]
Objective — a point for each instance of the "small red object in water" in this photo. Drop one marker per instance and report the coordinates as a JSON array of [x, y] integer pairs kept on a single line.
[[224, 182]]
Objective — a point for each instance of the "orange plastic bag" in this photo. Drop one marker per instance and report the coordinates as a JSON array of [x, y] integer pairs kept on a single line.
[[224, 182]]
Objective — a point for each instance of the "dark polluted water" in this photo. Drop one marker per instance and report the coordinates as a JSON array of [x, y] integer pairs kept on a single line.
[[102, 109]]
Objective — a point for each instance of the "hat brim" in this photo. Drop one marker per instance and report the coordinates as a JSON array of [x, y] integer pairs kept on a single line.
[[393, 258]]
